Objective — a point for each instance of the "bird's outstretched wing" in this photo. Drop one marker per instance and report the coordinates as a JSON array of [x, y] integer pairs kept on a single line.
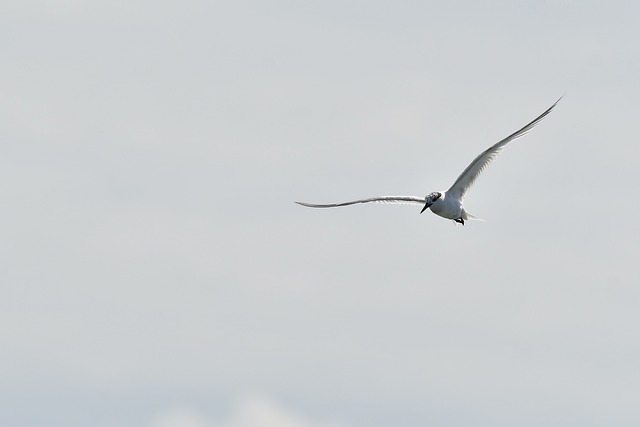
[[467, 178], [383, 199]]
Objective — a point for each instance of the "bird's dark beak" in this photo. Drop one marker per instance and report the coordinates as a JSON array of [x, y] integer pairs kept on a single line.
[[426, 206]]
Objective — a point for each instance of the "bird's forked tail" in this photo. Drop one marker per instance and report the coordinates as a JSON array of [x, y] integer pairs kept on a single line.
[[467, 216]]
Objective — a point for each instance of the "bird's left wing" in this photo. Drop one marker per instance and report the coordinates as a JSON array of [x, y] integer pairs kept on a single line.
[[382, 199], [467, 178]]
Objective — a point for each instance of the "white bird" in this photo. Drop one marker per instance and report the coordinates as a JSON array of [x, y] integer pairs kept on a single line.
[[449, 204]]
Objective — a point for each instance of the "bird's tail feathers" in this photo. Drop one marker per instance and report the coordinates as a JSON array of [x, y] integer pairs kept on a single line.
[[468, 216]]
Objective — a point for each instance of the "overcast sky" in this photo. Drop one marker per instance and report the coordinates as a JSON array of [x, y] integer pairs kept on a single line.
[[155, 272]]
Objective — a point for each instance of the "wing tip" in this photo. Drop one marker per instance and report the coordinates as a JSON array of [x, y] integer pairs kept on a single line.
[[559, 99], [312, 205]]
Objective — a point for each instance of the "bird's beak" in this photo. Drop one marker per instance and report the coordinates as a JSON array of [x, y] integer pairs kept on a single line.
[[426, 206]]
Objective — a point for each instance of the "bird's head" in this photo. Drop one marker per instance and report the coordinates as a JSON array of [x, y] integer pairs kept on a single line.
[[430, 199]]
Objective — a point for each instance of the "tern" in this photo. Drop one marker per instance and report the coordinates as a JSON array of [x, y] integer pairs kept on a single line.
[[449, 204]]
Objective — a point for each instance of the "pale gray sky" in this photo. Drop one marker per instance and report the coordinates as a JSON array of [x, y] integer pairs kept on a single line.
[[156, 273]]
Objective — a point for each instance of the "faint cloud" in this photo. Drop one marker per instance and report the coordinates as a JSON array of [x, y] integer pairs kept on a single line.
[[181, 417], [249, 412]]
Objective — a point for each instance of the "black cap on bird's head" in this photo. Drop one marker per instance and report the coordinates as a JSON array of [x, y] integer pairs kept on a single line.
[[430, 199]]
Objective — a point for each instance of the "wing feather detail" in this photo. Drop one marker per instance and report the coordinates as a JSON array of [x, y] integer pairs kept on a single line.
[[398, 200], [480, 163]]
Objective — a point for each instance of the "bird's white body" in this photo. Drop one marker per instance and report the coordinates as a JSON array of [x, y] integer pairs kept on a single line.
[[448, 207], [449, 204]]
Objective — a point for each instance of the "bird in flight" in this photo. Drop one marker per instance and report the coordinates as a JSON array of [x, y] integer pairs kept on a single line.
[[449, 204]]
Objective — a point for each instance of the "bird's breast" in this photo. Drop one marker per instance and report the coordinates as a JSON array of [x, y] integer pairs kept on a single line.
[[447, 207]]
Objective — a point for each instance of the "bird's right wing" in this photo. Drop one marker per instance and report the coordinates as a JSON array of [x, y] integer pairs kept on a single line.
[[383, 199]]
